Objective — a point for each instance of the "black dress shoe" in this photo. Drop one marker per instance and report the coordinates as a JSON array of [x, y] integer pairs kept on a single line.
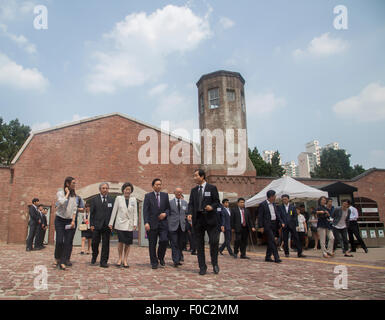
[[301, 256], [235, 256], [202, 272], [269, 260], [68, 264], [245, 257], [162, 263], [278, 261], [216, 269], [155, 266], [176, 264], [28, 249], [93, 261], [104, 265], [366, 250]]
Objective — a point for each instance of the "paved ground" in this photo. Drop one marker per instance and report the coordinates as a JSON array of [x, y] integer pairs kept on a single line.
[[310, 278]]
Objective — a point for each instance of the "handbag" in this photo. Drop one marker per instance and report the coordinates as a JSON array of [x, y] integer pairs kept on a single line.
[[83, 227]]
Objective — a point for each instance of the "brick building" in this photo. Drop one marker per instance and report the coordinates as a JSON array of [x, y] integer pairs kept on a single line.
[[112, 148]]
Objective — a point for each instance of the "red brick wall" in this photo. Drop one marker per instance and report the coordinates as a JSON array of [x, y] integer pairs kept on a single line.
[[5, 190], [102, 150]]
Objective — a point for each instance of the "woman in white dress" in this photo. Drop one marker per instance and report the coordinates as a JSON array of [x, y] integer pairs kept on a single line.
[[124, 219]]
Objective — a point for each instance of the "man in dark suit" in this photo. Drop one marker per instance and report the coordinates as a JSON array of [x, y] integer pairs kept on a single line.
[[226, 227], [34, 223], [156, 208], [269, 222], [241, 223], [100, 214], [203, 205], [289, 219], [41, 229], [177, 226]]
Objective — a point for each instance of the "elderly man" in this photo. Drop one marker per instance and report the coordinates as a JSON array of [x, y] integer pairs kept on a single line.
[[177, 226], [100, 215]]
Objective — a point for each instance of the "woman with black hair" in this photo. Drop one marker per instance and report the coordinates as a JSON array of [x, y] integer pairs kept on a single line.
[[125, 217], [324, 228], [67, 206]]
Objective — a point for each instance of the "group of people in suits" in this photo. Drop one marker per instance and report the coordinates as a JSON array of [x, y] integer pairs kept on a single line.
[[37, 226], [166, 221]]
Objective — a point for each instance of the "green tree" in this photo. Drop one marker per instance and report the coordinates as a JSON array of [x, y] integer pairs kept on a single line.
[[12, 137], [263, 169], [335, 164], [276, 169]]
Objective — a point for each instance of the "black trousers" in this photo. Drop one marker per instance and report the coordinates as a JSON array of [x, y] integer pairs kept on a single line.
[[39, 239], [227, 242], [191, 237], [72, 235], [177, 239], [241, 240], [294, 236], [353, 229], [63, 239], [199, 229], [341, 236], [104, 236], [271, 233], [33, 229], [153, 235]]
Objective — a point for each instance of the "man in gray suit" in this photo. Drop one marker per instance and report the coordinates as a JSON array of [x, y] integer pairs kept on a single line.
[[177, 226]]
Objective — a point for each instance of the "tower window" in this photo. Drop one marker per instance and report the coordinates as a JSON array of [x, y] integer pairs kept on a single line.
[[243, 101], [214, 98], [201, 104], [230, 95]]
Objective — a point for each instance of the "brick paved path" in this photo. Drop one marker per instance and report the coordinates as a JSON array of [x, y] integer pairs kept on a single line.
[[310, 278]]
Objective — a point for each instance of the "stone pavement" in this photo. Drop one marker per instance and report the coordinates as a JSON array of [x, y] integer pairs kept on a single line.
[[309, 278]]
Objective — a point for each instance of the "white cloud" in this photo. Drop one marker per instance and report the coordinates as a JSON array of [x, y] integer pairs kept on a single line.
[[16, 76], [141, 44], [367, 106], [160, 88], [12, 9], [40, 126], [46, 125], [179, 110], [377, 158], [226, 23], [20, 40], [263, 104], [322, 46]]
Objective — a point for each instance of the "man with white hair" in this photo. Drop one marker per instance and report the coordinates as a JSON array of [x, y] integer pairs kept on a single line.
[[100, 215]]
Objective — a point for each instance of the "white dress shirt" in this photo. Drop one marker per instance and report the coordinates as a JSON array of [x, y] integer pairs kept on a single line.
[[272, 211], [353, 214]]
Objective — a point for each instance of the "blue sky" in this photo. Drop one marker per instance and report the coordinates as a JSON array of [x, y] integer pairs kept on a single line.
[[305, 79]]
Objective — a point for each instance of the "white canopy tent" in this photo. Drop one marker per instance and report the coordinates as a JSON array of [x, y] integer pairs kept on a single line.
[[287, 185]]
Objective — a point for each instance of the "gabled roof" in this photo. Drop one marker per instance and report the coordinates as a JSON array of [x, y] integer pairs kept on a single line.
[[74, 123], [338, 188]]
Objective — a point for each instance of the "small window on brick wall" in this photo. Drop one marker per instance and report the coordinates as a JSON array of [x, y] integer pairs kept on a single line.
[[230, 95], [214, 98]]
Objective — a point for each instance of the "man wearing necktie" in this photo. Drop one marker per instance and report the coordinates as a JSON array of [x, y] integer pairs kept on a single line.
[[177, 226], [203, 206], [226, 227], [289, 219], [156, 208], [100, 215], [241, 222]]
